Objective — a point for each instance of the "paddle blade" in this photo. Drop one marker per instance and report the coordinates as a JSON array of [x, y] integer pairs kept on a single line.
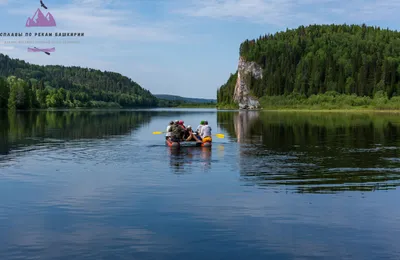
[[157, 133], [220, 135]]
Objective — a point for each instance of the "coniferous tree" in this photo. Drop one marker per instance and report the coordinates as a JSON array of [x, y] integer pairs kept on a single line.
[[34, 86], [347, 59]]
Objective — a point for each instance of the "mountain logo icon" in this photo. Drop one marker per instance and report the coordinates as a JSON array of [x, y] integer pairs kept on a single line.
[[39, 20]]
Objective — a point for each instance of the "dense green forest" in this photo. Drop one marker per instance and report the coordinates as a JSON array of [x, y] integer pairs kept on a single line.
[[323, 60], [225, 93], [24, 86]]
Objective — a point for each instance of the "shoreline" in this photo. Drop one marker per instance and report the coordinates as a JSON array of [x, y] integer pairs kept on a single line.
[[96, 108], [339, 110], [303, 110], [335, 110]]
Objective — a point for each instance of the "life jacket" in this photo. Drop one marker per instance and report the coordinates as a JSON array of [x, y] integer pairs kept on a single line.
[[207, 139]]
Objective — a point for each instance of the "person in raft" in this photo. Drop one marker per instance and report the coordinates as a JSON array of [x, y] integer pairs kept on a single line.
[[199, 127], [168, 135], [181, 123], [189, 135], [198, 130], [176, 132], [205, 132]]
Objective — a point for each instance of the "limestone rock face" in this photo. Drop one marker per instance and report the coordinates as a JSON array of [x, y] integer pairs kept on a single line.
[[242, 90]]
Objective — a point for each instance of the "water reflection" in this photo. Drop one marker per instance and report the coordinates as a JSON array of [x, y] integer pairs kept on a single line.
[[316, 152], [31, 128], [187, 157], [243, 122], [115, 197]]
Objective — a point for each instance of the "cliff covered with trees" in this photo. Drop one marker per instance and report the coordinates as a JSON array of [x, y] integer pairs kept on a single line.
[[25, 86], [328, 65]]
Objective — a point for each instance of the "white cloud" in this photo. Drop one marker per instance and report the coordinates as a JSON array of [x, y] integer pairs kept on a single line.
[[6, 48], [237, 8], [94, 19], [93, 3], [293, 12], [273, 12], [374, 10], [118, 25], [109, 33]]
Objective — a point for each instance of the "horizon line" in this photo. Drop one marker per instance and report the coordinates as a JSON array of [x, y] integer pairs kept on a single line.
[[185, 97]]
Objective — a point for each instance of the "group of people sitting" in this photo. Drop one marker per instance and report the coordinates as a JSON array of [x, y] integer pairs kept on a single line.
[[178, 132]]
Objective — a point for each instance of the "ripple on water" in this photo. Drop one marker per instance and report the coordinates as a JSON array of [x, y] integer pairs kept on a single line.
[[393, 159], [126, 197], [305, 174], [371, 150]]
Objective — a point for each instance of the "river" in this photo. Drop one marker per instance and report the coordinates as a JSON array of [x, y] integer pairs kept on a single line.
[[279, 185]]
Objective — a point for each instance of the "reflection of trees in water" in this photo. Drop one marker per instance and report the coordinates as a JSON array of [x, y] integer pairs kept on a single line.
[[28, 128], [189, 156], [317, 152]]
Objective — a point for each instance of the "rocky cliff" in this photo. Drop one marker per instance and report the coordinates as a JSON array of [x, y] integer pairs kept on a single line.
[[242, 94]]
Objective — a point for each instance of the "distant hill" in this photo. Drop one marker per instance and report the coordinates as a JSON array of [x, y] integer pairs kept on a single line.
[[184, 99], [24, 85], [29, 86]]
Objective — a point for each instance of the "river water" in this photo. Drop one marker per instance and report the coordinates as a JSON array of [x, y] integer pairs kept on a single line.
[[279, 185]]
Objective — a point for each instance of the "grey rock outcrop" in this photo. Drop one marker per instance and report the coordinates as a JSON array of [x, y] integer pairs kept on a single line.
[[242, 94]]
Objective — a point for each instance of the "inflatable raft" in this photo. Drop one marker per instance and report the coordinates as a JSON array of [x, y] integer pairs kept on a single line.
[[187, 144]]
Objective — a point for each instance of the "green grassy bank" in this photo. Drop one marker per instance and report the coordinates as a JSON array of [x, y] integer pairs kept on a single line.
[[327, 102], [331, 101]]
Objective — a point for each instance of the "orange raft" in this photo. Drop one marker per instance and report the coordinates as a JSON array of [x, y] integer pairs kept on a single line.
[[205, 143]]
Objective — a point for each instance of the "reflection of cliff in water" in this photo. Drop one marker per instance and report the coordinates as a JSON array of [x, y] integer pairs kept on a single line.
[[240, 125], [317, 152], [186, 157], [30, 128], [243, 123]]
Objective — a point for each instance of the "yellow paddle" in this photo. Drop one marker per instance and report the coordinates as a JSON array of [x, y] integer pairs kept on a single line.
[[158, 133], [217, 135]]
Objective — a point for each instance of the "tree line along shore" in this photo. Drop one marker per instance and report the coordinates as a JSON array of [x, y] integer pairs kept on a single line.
[[322, 67], [28, 86], [311, 67]]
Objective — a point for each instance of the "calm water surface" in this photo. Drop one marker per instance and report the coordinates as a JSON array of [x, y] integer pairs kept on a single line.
[[100, 185]]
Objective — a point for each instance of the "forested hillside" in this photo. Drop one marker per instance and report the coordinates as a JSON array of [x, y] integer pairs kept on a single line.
[[318, 59], [225, 92], [24, 85]]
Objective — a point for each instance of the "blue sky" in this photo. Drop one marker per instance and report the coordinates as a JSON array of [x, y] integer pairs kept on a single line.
[[181, 47]]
